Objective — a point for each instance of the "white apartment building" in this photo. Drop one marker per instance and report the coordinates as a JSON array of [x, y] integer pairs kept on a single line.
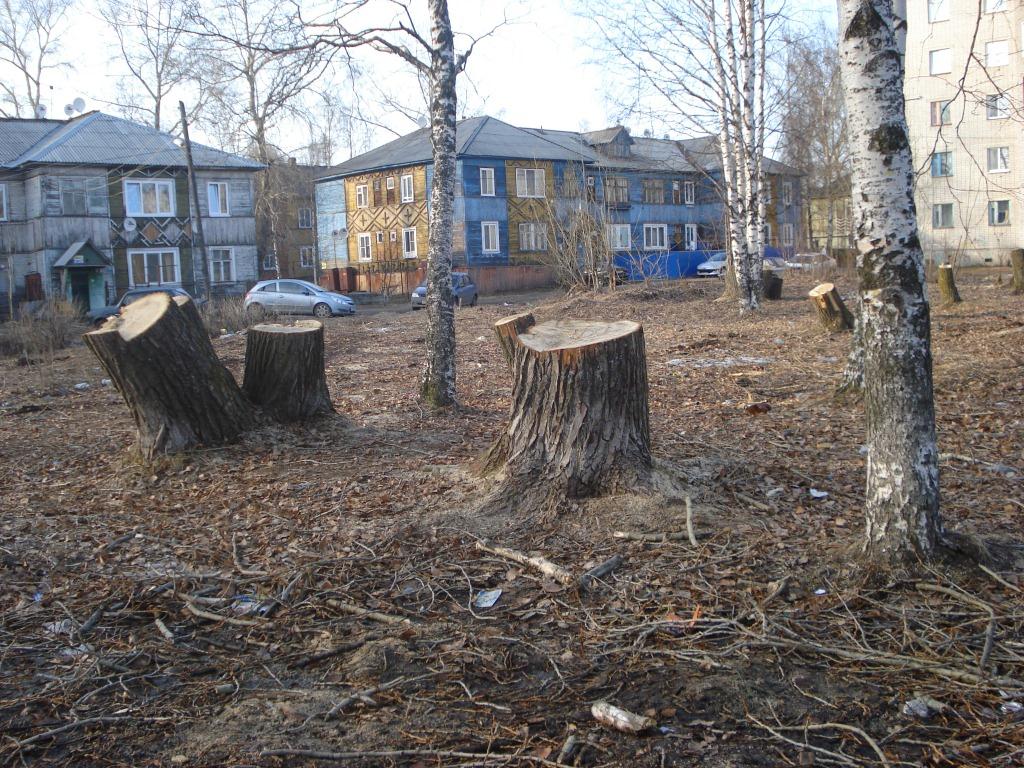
[[966, 118]]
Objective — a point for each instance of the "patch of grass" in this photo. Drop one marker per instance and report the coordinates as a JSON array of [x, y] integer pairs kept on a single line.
[[39, 333], [228, 315]]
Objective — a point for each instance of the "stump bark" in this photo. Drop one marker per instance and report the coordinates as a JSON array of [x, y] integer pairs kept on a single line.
[[160, 358], [832, 312], [284, 370], [1017, 262], [947, 285], [578, 424], [772, 283]]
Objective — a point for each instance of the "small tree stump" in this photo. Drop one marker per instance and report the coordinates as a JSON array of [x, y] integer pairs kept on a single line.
[[772, 282], [832, 312], [578, 424], [284, 370], [1017, 262], [947, 285], [160, 358]]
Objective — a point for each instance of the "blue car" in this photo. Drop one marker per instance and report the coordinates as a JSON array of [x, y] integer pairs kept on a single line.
[[462, 286]]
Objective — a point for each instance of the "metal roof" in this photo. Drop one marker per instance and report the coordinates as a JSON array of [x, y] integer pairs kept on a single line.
[[96, 138]]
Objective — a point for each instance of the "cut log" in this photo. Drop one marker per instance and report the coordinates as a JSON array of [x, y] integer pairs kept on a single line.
[[160, 358], [284, 370], [1017, 261], [772, 282], [579, 418], [832, 312], [947, 285]]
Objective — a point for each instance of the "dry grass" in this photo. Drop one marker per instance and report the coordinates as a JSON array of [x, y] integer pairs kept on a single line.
[[39, 334], [227, 315]]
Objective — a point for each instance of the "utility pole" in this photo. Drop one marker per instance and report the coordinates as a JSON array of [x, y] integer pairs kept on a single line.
[[198, 241]]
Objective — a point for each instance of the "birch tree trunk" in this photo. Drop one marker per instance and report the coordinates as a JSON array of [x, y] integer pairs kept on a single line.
[[902, 500], [437, 387]]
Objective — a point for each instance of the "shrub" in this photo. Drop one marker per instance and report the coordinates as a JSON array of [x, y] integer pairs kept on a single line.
[[228, 314], [52, 325]]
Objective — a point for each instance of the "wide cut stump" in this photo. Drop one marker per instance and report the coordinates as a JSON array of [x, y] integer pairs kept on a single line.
[[160, 358], [284, 370], [578, 424], [832, 312]]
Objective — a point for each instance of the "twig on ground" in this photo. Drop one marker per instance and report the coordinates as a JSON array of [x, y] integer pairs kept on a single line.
[[543, 565], [238, 560], [689, 523], [600, 571], [364, 613], [963, 597], [483, 756]]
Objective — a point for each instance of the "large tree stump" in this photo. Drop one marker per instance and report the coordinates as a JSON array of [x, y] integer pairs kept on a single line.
[[160, 358], [832, 312], [947, 285], [578, 424], [284, 370], [1017, 262]]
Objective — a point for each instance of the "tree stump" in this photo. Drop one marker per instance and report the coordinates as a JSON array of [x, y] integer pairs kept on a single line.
[[832, 312], [772, 282], [160, 358], [284, 370], [578, 424], [947, 285], [1017, 261]]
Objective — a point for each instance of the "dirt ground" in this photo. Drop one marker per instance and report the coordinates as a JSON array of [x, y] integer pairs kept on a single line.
[[312, 595]]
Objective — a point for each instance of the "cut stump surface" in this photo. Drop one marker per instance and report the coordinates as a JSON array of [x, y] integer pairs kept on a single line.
[[832, 312]]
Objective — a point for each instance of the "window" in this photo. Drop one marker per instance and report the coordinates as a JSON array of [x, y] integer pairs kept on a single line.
[[3, 202], [654, 191], [80, 197], [407, 193], [306, 256], [153, 266], [616, 189], [489, 236], [998, 159], [268, 261], [787, 193], [938, 10], [409, 243], [619, 237], [677, 194], [487, 182], [305, 218], [787, 234], [689, 192], [380, 237], [942, 164], [940, 113], [997, 106], [533, 236], [655, 237], [365, 247], [394, 236], [997, 53], [149, 198], [940, 62], [690, 237], [362, 197], [390, 184], [994, 6], [529, 182], [998, 213], [942, 216], [287, 286], [217, 198], [222, 265]]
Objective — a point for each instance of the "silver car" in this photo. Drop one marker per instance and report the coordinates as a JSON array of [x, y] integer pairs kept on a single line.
[[297, 297]]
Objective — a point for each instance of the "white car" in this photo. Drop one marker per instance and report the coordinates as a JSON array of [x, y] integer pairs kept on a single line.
[[297, 297], [810, 261], [713, 267]]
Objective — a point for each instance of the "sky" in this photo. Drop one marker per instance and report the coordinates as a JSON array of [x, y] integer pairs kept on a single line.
[[540, 69]]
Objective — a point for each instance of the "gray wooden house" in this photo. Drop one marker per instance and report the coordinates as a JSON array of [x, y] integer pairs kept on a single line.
[[92, 206]]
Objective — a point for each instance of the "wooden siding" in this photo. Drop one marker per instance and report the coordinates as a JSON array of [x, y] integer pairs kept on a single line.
[[522, 210], [386, 214]]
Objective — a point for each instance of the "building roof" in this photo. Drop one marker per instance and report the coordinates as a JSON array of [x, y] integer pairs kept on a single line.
[[87, 255], [96, 138]]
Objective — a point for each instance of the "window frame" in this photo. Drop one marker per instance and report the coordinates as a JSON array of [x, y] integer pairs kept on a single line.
[[933, 68], [369, 246], [992, 106], [411, 196], [937, 211], [613, 240], [406, 253], [988, 6], [620, 185], [362, 195], [231, 261], [484, 226], [690, 244], [539, 183], [487, 172], [663, 228], [140, 181], [787, 234], [653, 191], [935, 19], [689, 193], [988, 159], [4, 214], [222, 210], [305, 250], [86, 192], [309, 215], [787, 193], [943, 165], [537, 236], [945, 118], [267, 263], [145, 251], [991, 221]]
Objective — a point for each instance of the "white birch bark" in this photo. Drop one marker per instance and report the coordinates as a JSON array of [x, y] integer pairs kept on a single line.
[[437, 387], [902, 500]]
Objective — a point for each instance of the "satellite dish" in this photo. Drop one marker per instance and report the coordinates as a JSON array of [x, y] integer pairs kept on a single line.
[[421, 121], [129, 224], [78, 104], [69, 109], [41, 111]]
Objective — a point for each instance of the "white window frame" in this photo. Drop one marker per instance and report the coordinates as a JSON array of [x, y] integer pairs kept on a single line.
[[616, 240], [523, 176], [364, 238], [997, 106], [406, 253], [304, 251], [484, 226], [488, 174], [535, 234], [999, 153], [4, 215], [940, 61], [997, 53], [177, 266], [309, 212], [224, 202], [663, 229], [230, 259], [937, 209], [169, 183], [938, 10], [390, 183], [946, 166], [689, 236], [787, 193], [995, 6], [689, 192], [362, 196], [408, 190], [995, 203], [787, 234], [268, 261]]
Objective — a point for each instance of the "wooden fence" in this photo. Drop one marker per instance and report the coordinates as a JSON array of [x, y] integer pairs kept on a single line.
[[392, 278]]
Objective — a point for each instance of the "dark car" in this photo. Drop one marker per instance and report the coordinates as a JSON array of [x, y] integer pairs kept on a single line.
[[97, 316], [462, 286]]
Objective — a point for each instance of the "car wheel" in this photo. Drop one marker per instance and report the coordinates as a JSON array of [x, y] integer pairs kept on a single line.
[[321, 310]]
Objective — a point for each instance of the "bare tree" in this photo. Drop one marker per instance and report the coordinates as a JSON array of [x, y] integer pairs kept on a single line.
[[30, 32], [902, 504]]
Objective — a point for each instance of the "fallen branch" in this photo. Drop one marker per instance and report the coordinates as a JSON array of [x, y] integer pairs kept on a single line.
[[689, 523], [541, 564], [651, 537], [70, 727], [196, 611], [840, 727], [482, 756], [990, 632], [363, 613], [600, 571], [1000, 579], [238, 560]]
